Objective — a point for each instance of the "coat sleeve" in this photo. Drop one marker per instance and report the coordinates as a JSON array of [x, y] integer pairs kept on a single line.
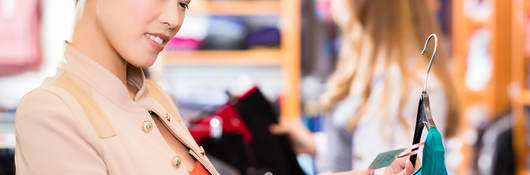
[[50, 140]]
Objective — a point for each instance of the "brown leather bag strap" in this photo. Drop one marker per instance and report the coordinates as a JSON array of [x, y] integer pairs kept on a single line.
[[97, 118]]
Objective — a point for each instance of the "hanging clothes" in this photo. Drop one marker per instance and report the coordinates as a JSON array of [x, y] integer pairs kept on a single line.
[[246, 142], [433, 155], [269, 150], [433, 150]]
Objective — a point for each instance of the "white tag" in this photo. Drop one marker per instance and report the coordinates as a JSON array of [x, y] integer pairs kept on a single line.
[[9, 8]]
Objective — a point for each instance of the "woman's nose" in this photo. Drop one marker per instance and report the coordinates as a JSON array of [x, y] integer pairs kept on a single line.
[[170, 17]]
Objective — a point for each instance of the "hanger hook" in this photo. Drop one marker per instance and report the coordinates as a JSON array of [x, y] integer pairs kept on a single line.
[[432, 57]]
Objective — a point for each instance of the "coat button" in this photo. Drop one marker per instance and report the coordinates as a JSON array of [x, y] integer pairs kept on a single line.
[[167, 117], [202, 151], [177, 161], [148, 125]]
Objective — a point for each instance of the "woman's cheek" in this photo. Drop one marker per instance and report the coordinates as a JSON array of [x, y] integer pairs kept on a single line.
[[144, 10]]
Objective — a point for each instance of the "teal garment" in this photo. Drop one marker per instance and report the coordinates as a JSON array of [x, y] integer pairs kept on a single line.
[[433, 161]]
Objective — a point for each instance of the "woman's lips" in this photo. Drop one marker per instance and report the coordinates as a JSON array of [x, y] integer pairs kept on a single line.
[[157, 41]]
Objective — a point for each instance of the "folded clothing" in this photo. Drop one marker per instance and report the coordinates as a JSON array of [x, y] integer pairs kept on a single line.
[[263, 37]]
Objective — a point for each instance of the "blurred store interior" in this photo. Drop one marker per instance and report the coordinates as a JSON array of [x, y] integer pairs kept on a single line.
[[289, 49]]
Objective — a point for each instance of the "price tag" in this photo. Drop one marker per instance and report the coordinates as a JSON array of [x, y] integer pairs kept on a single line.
[[385, 159]]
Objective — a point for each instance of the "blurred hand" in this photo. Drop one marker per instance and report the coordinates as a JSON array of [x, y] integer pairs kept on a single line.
[[400, 166], [302, 140]]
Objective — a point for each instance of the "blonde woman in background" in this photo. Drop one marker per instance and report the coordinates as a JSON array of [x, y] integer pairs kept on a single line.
[[373, 94]]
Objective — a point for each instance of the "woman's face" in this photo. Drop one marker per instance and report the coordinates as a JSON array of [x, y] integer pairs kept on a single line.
[[139, 29]]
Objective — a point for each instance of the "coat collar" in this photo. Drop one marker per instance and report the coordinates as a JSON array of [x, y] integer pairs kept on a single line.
[[103, 81]]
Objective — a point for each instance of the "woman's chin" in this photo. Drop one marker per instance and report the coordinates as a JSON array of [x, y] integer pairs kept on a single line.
[[144, 62]]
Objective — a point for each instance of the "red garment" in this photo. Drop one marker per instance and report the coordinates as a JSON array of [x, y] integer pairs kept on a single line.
[[19, 36], [198, 169], [231, 123]]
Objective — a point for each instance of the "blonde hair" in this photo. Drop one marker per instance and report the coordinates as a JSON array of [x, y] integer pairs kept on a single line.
[[377, 34]]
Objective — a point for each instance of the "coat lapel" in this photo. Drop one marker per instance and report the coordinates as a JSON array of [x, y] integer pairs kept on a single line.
[[168, 113]]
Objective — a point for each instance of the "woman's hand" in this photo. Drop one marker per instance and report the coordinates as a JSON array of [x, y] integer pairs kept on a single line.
[[302, 140], [400, 166]]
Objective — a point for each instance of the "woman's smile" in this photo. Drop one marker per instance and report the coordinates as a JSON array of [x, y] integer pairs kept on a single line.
[[157, 41]]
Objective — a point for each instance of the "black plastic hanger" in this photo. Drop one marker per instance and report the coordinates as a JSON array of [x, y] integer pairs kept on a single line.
[[424, 116]]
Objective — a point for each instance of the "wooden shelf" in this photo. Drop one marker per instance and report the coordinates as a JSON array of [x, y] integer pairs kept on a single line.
[[236, 7], [288, 57], [225, 57]]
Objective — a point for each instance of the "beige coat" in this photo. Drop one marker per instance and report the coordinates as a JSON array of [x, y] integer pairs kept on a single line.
[[83, 121]]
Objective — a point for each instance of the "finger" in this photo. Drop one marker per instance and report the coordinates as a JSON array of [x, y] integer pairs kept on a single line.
[[398, 165], [409, 169], [411, 150], [408, 154]]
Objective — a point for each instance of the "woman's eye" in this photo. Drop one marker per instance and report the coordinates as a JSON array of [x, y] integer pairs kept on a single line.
[[184, 5]]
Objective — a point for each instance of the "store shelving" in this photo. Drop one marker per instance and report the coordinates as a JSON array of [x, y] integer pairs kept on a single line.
[[236, 7], [287, 56], [227, 57], [493, 97], [521, 96]]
